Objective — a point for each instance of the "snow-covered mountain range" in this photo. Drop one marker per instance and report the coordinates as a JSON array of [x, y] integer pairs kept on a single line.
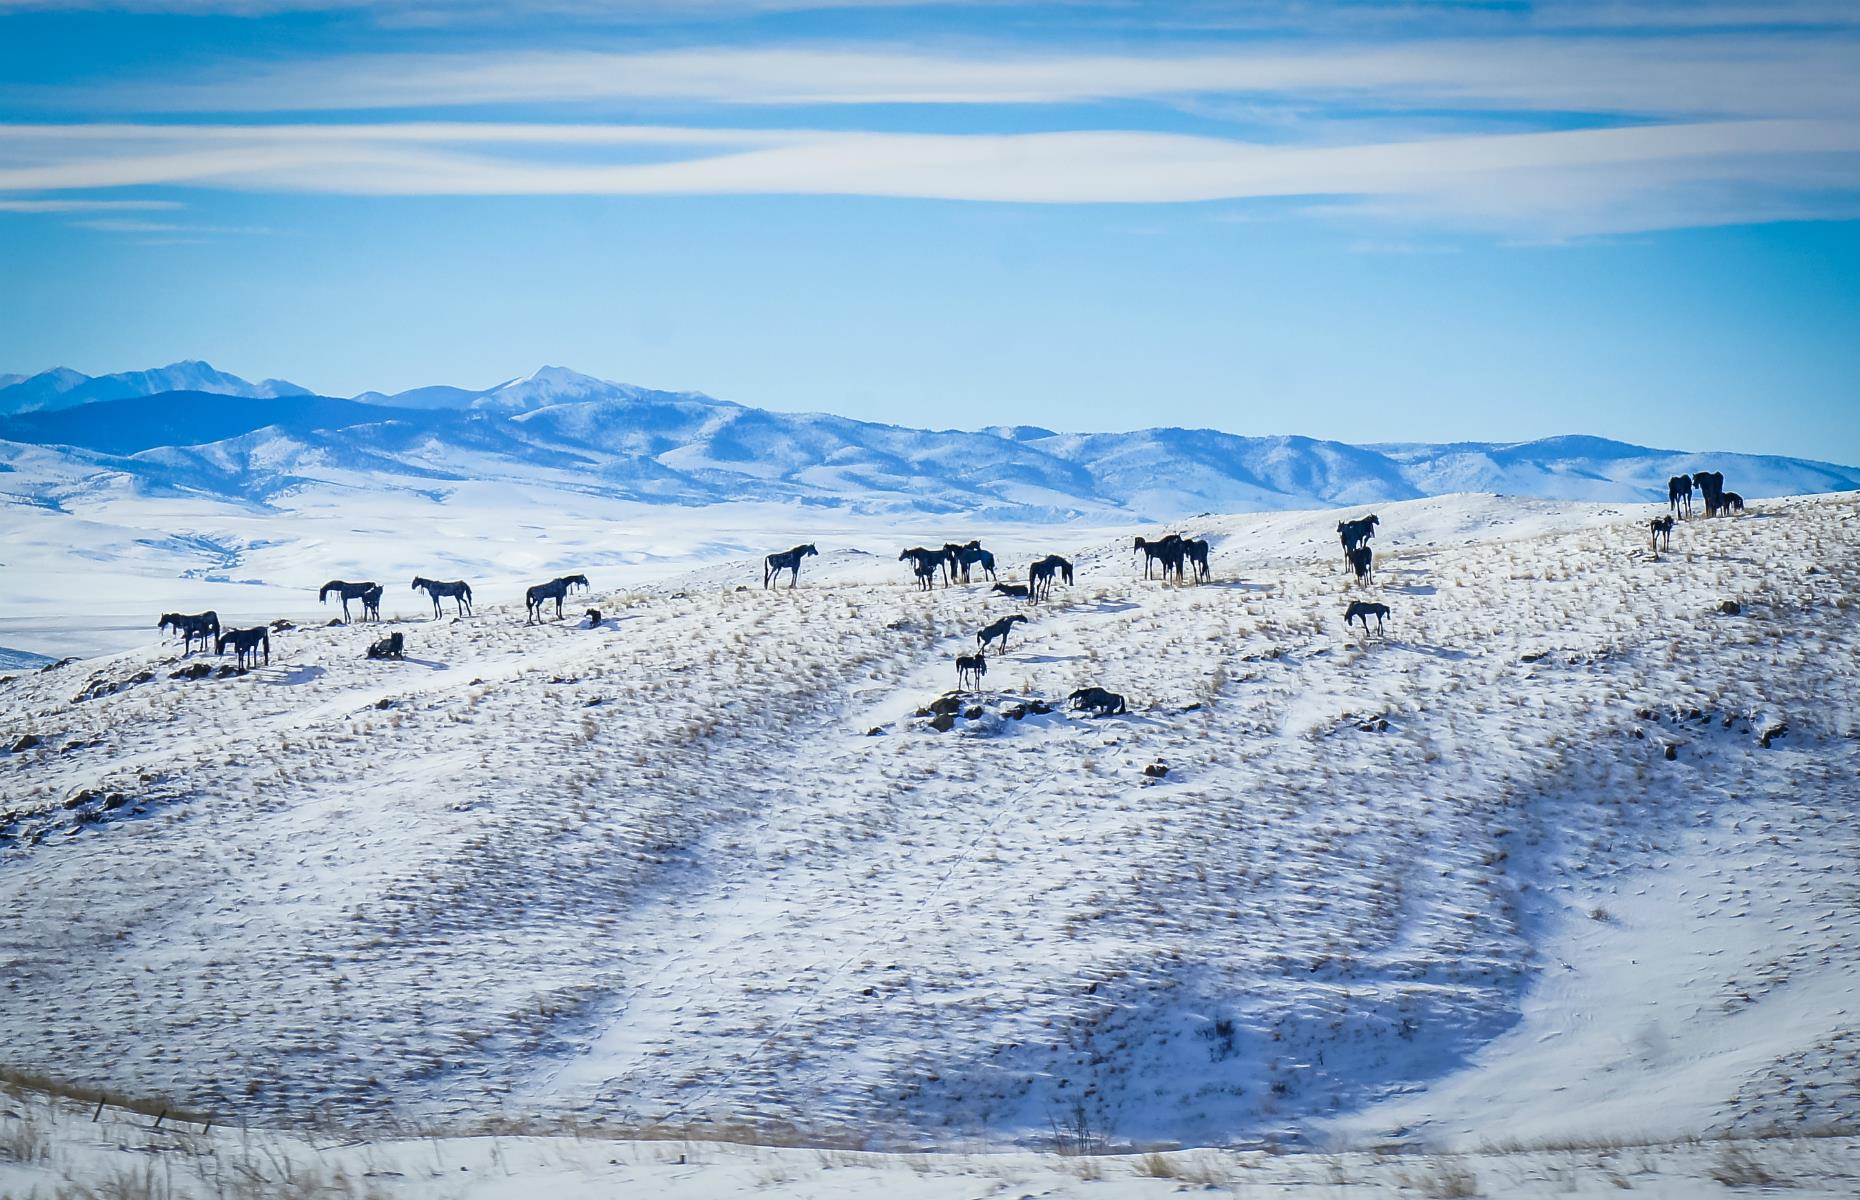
[[190, 429]]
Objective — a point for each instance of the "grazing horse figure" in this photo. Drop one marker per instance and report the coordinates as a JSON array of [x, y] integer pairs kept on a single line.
[[394, 645], [348, 592], [200, 625], [787, 560], [1359, 611], [458, 590], [1098, 700], [1662, 528], [997, 632], [924, 564], [1014, 591], [1040, 575], [1195, 550], [970, 668], [1679, 495], [555, 590], [1354, 533], [371, 604], [1166, 549], [1711, 485], [1362, 561], [247, 642], [1731, 502]]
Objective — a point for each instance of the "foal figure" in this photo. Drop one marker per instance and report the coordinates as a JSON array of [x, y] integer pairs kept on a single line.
[[347, 591], [200, 625], [247, 643]]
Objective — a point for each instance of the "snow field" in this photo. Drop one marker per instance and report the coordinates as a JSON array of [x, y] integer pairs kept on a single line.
[[1429, 886]]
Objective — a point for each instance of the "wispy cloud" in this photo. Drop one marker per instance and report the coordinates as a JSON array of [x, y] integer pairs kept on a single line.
[[1568, 182], [77, 206], [116, 225], [1778, 75]]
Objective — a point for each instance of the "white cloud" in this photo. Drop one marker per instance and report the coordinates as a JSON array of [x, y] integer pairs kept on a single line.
[[1566, 183], [1741, 76], [76, 206]]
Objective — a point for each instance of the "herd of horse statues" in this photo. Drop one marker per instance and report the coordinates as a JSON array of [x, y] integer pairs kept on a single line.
[[954, 563]]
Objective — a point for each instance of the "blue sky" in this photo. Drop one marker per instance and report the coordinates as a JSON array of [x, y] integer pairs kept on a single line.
[[1364, 221]]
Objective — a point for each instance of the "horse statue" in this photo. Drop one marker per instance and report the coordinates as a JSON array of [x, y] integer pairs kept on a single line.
[[1354, 533], [1662, 528], [348, 592], [458, 591], [1166, 549], [1195, 550], [972, 555], [246, 643], [970, 668], [924, 564], [997, 632], [1679, 495], [200, 625], [952, 560], [1359, 611], [787, 560], [1097, 700], [1041, 574], [555, 589]]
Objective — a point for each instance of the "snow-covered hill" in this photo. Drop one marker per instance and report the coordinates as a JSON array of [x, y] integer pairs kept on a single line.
[[62, 387], [1565, 853], [558, 429]]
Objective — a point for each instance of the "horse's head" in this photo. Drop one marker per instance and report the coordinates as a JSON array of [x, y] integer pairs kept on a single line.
[[809, 549], [168, 619], [419, 581]]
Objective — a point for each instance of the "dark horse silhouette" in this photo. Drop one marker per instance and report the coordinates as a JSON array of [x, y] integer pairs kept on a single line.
[[458, 590], [787, 560], [371, 604], [1731, 502], [1362, 561], [1711, 486], [1195, 550], [953, 564], [348, 592], [1679, 495], [247, 643], [394, 645], [1354, 533], [924, 564], [997, 632], [1662, 528], [970, 668], [1098, 700], [972, 555], [1166, 549], [201, 625], [555, 589], [1041, 574], [1014, 591], [1359, 611]]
